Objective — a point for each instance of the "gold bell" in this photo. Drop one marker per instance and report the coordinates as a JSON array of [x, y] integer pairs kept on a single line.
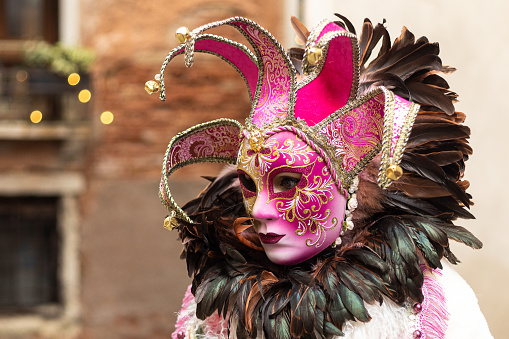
[[314, 55], [152, 86], [170, 222], [182, 34], [394, 172]]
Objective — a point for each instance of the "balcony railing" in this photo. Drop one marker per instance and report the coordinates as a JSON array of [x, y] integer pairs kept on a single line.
[[24, 91]]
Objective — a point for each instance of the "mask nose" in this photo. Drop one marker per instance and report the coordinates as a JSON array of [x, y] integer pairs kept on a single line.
[[264, 210]]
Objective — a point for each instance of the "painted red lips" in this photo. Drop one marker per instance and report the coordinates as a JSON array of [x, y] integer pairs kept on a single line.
[[270, 238]]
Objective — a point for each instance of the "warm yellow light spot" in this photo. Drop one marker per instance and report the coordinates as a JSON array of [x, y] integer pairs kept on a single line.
[[21, 75], [84, 95], [73, 79], [36, 117], [106, 117]]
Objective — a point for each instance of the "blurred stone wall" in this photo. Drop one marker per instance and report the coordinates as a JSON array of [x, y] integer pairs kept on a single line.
[[132, 278]]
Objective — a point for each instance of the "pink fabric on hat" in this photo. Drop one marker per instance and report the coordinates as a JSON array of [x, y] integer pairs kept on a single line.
[[230, 53], [330, 27], [331, 89], [401, 108], [236, 56]]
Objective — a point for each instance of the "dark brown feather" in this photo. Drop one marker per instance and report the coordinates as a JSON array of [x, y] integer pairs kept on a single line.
[[346, 22]]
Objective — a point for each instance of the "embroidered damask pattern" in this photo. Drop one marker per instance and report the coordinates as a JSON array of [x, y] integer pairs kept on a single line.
[[275, 84], [306, 206], [357, 132], [216, 141]]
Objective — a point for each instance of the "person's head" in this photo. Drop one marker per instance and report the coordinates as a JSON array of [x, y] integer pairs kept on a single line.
[[288, 190], [309, 133]]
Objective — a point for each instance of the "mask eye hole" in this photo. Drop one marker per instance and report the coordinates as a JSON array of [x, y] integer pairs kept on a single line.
[[285, 181], [247, 182]]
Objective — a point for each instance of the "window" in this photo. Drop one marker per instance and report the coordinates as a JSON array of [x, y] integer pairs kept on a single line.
[[29, 248], [39, 253], [29, 20]]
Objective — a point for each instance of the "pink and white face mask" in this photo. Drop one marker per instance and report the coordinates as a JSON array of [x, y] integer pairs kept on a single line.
[[297, 208]]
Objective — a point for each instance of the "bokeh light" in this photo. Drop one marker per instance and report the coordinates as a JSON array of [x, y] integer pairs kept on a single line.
[[36, 117], [21, 75], [84, 95], [106, 117], [73, 79]]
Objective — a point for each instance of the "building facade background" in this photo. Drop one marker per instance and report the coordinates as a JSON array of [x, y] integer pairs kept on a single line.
[[119, 270]]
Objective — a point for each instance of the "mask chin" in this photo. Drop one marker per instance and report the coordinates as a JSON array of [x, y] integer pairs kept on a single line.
[[296, 256], [294, 248]]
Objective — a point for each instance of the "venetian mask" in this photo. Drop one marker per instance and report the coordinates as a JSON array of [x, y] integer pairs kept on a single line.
[[296, 206]]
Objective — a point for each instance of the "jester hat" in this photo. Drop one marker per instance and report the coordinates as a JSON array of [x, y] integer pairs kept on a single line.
[[323, 107]]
